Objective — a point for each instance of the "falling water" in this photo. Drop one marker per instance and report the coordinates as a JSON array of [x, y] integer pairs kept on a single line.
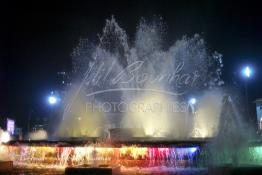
[[51, 156]]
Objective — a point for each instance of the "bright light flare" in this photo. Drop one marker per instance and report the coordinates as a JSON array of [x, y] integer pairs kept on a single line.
[[192, 101], [52, 100], [247, 72], [5, 137], [193, 149]]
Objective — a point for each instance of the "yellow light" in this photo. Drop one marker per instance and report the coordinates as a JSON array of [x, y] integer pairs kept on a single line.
[[5, 137], [134, 152]]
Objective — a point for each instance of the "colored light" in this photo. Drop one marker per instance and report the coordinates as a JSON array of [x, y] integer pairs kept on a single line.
[[247, 72], [52, 100], [193, 149], [128, 156], [192, 101], [10, 126], [5, 137]]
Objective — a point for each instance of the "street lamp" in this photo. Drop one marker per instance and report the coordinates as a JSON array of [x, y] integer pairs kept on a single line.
[[52, 100], [247, 73], [191, 112], [192, 101]]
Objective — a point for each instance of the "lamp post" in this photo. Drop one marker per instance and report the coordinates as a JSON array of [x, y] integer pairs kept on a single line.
[[247, 73], [52, 100], [189, 120], [192, 103]]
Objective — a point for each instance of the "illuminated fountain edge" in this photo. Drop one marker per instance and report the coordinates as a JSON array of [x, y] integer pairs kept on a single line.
[[129, 155], [59, 155]]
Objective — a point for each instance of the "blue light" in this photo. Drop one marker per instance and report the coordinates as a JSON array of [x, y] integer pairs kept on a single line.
[[247, 72], [52, 100], [193, 149], [192, 101]]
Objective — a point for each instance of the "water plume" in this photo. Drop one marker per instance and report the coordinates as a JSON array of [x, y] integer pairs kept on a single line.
[[81, 120], [207, 116], [120, 70], [38, 135], [153, 112]]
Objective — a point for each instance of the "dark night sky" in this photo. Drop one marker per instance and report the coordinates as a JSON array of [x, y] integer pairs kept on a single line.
[[36, 39]]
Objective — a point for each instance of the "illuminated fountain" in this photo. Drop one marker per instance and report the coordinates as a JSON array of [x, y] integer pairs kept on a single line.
[[148, 85], [142, 88], [47, 156]]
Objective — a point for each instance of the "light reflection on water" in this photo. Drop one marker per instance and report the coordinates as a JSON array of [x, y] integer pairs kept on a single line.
[[187, 171]]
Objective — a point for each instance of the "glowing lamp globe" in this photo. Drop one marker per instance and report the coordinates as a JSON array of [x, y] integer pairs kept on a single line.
[[192, 101], [247, 72], [52, 100]]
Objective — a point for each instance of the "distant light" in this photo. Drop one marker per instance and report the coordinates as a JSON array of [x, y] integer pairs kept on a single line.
[[247, 72], [52, 100], [192, 101], [10, 126], [5, 137]]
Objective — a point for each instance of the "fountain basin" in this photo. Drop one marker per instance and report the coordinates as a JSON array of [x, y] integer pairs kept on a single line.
[[104, 157], [100, 170], [135, 153]]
